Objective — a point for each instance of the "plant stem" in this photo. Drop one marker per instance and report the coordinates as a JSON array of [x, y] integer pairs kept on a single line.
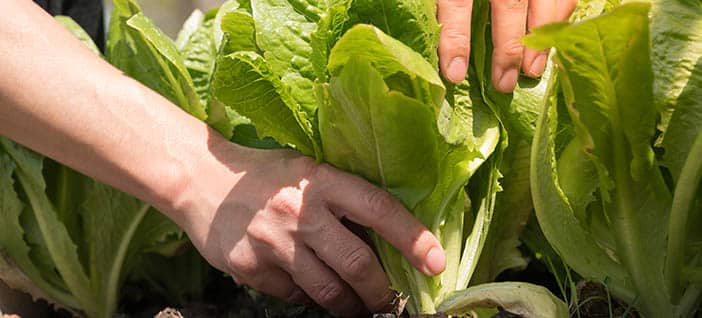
[[690, 300], [627, 226], [112, 286], [685, 195]]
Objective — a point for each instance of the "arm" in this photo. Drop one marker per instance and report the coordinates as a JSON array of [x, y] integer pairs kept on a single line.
[[510, 20], [269, 218]]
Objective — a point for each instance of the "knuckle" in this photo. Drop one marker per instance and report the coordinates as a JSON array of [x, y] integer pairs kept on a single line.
[[321, 173], [356, 264], [245, 270], [259, 232], [381, 204], [513, 49], [285, 204], [330, 294], [456, 4], [512, 4], [304, 164], [458, 39]]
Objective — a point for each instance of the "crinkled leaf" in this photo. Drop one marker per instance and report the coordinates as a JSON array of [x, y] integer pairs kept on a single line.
[[240, 30], [245, 82], [226, 8], [404, 70], [330, 27], [191, 24], [198, 53], [482, 193], [513, 207], [411, 22], [283, 32]]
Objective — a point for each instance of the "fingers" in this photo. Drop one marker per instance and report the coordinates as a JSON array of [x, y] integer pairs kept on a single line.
[[454, 47], [509, 24], [509, 19], [277, 283], [247, 267], [540, 12], [353, 260], [370, 206], [320, 283]]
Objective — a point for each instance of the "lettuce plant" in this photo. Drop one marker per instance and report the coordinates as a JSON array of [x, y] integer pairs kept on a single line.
[[358, 88], [68, 239], [615, 161]]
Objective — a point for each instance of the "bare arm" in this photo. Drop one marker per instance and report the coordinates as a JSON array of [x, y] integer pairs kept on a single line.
[[61, 100], [269, 218]]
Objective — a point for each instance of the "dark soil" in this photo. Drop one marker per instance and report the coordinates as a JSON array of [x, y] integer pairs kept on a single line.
[[595, 302], [220, 297]]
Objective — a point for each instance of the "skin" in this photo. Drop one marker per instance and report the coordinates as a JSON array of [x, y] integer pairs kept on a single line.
[[271, 219], [511, 19]]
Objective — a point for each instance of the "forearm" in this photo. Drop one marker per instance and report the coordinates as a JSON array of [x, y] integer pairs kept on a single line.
[[59, 99]]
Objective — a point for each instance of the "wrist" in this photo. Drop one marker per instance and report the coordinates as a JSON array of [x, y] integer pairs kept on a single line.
[[202, 184]]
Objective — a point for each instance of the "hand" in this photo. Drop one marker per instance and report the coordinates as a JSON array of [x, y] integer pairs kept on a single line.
[[273, 223], [510, 20]]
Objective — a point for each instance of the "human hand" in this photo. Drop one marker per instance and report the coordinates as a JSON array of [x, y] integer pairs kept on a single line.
[[510, 20], [272, 221]]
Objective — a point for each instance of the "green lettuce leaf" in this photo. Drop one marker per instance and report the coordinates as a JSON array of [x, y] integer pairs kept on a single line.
[[245, 82], [190, 26], [676, 54], [513, 207], [283, 32], [75, 246], [137, 47], [398, 65], [521, 299], [198, 52], [384, 115], [62, 251], [29, 277], [607, 82], [411, 22]]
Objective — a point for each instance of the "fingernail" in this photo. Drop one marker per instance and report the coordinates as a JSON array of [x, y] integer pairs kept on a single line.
[[537, 66], [457, 70], [508, 80], [436, 261]]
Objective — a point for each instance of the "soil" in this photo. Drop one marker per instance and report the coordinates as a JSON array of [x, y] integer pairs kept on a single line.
[[595, 302], [222, 298]]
